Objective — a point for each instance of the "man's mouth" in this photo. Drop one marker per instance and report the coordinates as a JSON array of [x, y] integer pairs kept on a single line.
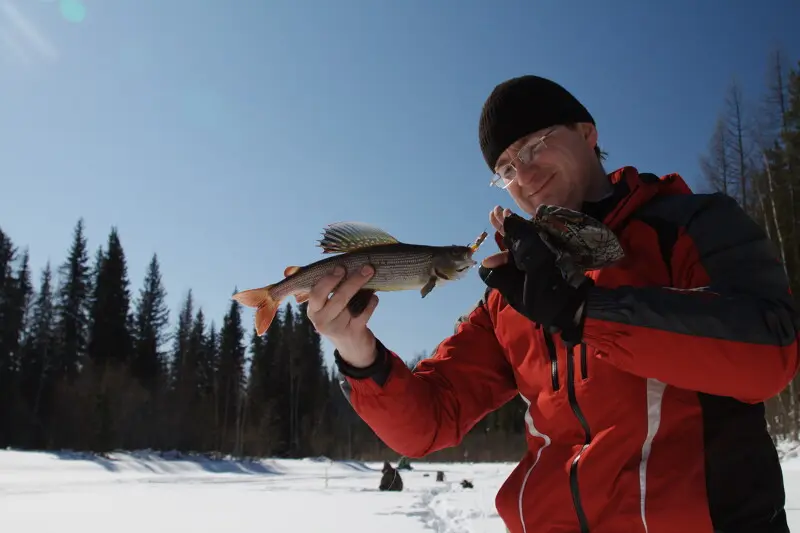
[[542, 185]]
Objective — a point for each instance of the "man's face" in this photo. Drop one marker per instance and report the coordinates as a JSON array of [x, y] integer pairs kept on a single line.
[[554, 166]]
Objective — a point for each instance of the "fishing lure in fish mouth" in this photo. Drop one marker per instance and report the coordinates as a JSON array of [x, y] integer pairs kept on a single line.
[[398, 266], [478, 241]]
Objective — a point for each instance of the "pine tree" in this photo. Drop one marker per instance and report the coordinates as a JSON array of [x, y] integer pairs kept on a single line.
[[7, 367], [200, 390], [180, 347], [37, 363], [109, 348], [110, 336], [231, 376], [152, 317], [15, 293], [72, 307], [206, 354], [210, 365], [14, 301], [183, 375], [310, 389], [263, 389], [282, 351]]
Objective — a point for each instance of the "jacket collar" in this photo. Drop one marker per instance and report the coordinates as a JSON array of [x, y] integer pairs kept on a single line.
[[631, 190]]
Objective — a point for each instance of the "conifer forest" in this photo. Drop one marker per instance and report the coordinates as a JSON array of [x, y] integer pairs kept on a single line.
[[92, 360]]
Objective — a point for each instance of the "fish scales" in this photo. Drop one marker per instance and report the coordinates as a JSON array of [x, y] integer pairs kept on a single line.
[[412, 264], [397, 267]]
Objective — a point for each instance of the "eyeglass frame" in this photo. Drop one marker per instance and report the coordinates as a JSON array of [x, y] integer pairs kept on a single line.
[[532, 145]]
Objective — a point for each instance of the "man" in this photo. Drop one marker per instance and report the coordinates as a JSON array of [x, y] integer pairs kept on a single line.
[[644, 382]]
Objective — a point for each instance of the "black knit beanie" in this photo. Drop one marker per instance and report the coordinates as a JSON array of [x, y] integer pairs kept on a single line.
[[520, 106]]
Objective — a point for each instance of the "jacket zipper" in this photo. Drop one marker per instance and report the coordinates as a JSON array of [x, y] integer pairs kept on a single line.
[[551, 349], [573, 402], [587, 435], [584, 370]]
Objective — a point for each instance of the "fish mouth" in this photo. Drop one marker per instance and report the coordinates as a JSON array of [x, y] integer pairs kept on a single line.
[[470, 263]]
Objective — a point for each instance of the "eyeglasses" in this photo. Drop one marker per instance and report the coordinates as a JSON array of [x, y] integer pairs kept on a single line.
[[506, 174]]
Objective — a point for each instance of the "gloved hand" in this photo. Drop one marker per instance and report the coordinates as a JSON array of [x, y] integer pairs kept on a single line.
[[532, 283]]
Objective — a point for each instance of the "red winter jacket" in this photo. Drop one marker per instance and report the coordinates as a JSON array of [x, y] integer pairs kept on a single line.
[[655, 424]]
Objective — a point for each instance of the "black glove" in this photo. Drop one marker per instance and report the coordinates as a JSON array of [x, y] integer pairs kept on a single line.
[[532, 283]]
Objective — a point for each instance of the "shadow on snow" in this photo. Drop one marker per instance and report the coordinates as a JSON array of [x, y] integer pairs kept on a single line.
[[171, 462]]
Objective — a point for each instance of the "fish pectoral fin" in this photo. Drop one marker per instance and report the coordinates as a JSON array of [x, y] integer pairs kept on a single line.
[[428, 287], [301, 297], [290, 270], [359, 301], [441, 275], [350, 236]]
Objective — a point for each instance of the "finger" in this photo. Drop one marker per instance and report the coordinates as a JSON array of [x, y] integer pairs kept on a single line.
[[337, 325], [346, 290], [361, 320], [496, 220], [496, 260], [496, 224], [501, 216], [318, 296], [506, 278]]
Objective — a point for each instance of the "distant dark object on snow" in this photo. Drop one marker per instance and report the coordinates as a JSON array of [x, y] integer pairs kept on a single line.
[[426, 475], [439, 476], [404, 464], [391, 479], [467, 484]]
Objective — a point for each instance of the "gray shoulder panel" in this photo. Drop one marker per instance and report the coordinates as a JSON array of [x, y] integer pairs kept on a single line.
[[734, 250], [747, 299]]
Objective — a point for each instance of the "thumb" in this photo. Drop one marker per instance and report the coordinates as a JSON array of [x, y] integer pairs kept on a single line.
[[496, 260], [499, 273]]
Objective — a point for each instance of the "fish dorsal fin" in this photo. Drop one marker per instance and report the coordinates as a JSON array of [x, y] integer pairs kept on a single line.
[[349, 236]]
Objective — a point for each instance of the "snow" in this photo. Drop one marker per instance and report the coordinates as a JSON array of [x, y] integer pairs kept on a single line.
[[143, 492]]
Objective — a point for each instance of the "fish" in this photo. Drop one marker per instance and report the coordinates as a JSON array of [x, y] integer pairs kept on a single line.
[[398, 266]]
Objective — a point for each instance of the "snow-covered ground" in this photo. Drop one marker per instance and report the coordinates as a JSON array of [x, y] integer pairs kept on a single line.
[[145, 493]]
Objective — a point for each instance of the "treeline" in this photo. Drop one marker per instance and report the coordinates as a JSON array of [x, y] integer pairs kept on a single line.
[[87, 364], [754, 156]]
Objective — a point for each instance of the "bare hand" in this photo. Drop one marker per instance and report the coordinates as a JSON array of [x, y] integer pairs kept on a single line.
[[350, 335]]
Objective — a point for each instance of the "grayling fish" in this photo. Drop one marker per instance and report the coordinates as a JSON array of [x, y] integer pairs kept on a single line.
[[398, 266]]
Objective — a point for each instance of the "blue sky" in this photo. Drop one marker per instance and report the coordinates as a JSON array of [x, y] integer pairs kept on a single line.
[[225, 135]]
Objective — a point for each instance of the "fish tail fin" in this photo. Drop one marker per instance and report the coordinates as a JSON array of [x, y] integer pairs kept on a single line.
[[266, 305]]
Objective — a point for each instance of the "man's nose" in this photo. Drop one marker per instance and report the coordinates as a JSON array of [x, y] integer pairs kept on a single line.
[[528, 175]]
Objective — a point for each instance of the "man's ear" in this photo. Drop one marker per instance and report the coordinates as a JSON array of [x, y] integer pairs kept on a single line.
[[589, 133]]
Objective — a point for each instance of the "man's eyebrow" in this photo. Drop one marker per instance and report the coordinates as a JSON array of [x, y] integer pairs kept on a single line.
[[514, 148]]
